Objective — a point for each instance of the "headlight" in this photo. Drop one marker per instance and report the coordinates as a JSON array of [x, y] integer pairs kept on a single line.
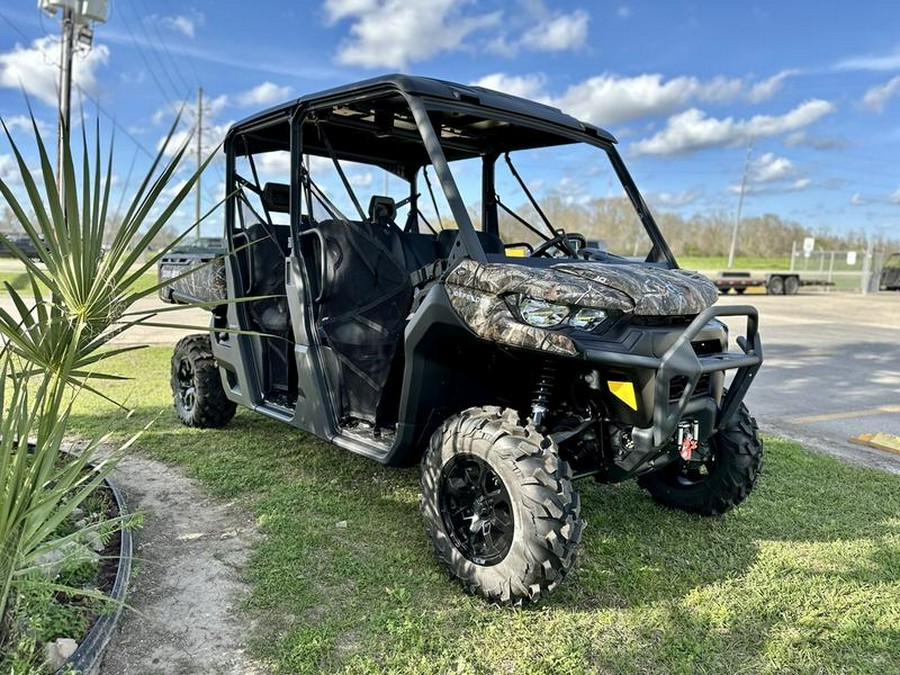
[[587, 318], [543, 314]]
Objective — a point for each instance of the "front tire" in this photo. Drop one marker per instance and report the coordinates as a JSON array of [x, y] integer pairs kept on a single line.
[[499, 506], [719, 484], [197, 392]]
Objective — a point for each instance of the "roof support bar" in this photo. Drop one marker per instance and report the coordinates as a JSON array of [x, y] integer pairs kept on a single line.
[[433, 146]]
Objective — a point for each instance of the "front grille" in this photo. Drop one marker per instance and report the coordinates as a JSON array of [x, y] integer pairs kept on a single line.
[[661, 321], [677, 385]]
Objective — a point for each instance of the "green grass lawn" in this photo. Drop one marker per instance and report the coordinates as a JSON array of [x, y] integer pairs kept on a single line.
[[804, 577], [708, 263], [20, 281]]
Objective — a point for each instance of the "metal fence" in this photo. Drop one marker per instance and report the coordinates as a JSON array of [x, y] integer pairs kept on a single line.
[[854, 270]]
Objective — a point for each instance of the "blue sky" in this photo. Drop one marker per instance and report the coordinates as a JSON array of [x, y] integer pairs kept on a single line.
[[685, 86]]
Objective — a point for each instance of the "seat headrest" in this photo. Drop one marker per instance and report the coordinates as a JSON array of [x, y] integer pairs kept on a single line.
[[382, 209], [276, 197]]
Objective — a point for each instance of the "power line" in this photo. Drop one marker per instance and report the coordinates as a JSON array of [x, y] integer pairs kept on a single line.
[[146, 61], [143, 28], [14, 26], [160, 40]]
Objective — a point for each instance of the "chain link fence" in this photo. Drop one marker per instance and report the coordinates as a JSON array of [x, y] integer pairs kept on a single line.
[[848, 270]]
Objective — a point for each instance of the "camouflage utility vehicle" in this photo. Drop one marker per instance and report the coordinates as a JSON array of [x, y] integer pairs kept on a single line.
[[421, 271]]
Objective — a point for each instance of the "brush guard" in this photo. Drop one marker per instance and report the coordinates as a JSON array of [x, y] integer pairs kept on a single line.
[[682, 361]]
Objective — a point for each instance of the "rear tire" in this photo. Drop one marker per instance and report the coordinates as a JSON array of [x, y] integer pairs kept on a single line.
[[791, 285], [499, 506], [729, 476], [775, 286], [197, 392]]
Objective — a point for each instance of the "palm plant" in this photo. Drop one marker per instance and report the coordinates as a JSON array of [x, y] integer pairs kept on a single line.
[[83, 291], [54, 342]]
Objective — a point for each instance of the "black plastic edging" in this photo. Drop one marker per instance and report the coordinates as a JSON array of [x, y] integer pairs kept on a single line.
[[90, 652]]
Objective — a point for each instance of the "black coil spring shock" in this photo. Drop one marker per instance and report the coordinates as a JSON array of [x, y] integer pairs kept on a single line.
[[543, 393]]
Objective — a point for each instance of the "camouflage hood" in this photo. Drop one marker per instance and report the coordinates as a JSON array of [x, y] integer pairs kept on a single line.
[[643, 290]]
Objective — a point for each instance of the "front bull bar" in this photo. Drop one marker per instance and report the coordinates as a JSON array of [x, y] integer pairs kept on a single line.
[[680, 360]]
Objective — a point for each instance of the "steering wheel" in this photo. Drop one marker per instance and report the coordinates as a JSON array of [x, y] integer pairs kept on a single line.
[[560, 241]]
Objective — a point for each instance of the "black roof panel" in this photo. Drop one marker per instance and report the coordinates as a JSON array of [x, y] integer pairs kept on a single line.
[[431, 88]]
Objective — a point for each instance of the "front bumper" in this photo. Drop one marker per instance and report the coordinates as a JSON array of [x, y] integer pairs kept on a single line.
[[652, 445]]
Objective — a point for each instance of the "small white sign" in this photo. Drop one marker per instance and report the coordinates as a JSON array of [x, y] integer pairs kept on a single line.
[[851, 257], [809, 244]]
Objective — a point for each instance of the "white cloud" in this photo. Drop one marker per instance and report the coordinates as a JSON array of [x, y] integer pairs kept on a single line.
[[801, 138], [341, 9], [23, 123], [880, 62], [608, 99], [875, 98], [35, 69], [278, 162], [213, 135], [395, 33], [770, 168], [763, 91], [266, 93], [623, 12], [792, 186], [558, 33], [692, 130], [674, 199], [526, 86], [362, 180], [859, 199], [186, 25], [9, 170], [770, 173]]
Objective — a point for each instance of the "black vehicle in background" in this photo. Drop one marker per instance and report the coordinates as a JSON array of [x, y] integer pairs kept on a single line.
[[22, 243], [409, 291], [890, 274]]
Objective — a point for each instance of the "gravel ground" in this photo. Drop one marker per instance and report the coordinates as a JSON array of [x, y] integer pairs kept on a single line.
[[189, 557]]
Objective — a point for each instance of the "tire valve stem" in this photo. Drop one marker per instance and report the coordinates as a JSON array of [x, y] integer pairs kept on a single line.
[[543, 391]]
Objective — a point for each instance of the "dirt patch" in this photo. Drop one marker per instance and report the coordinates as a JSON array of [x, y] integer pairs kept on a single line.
[[189, 555]]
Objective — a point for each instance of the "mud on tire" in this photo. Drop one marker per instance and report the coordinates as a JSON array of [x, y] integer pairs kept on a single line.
[[197, 392], [737, 459], [536, 512]]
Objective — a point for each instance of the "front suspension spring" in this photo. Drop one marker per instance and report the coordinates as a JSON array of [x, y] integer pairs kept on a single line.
[[543, 393]]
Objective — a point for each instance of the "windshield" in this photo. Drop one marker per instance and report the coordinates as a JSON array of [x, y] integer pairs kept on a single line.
[[541, 191]]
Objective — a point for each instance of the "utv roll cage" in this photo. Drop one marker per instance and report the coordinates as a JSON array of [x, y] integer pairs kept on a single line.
[[404, 124]]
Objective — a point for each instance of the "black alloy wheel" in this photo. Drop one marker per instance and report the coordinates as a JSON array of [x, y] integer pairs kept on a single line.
[[476, 510]]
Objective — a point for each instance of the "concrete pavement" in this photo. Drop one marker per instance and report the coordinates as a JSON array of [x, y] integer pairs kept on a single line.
[[831, 371]]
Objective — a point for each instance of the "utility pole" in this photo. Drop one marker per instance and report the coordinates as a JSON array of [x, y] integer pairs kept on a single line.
[[199, 132], [77, 18], [65, 93], [737, 220]]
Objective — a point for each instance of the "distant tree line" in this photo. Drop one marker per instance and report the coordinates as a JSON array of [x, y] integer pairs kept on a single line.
[[613, 220]]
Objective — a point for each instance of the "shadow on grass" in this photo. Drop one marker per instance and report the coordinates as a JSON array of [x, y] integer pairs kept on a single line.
[[346, 576]]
